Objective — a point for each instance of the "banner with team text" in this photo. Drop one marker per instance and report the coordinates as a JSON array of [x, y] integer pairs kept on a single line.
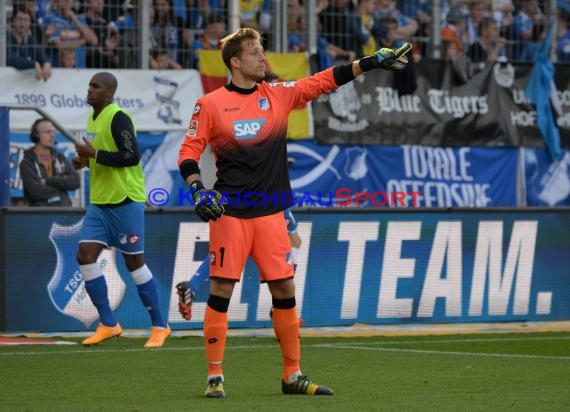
[[393, 176], [375, 267], [490, 109], [158, 100]]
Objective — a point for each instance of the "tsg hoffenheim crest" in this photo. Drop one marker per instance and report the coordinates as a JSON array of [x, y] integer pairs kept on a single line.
[[66, 287]]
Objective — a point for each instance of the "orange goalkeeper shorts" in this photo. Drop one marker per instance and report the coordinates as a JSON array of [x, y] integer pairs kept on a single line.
[[265, 238]]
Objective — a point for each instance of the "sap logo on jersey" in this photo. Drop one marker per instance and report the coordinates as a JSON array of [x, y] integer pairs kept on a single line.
[[248, 129]]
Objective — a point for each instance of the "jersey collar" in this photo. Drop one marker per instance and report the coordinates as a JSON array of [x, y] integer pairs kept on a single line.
[[233, 88]]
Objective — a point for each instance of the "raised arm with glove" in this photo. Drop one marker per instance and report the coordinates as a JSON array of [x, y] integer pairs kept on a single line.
[[387, 59]]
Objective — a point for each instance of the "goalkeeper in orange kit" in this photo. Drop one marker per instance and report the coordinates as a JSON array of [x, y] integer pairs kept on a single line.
[[245, 124]]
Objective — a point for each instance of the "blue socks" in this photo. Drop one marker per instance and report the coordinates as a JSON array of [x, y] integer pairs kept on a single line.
[[149, 298], [97, 290]]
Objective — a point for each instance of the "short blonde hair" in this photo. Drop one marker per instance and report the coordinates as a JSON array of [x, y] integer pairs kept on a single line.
[[231, 44]]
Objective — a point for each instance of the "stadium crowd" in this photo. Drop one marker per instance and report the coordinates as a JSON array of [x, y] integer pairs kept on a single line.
[[107, 33]]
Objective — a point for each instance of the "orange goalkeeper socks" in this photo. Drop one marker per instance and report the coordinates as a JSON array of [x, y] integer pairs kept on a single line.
[[286, 326], [215, 332]]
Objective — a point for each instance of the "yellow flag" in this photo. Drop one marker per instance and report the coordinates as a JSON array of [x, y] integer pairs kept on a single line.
[[213, 71], [289, 67]]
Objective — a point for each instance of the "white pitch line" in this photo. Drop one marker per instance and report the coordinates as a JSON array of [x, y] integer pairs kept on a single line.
[[355, 346], [470, 340], [86, 351], [440, 352]]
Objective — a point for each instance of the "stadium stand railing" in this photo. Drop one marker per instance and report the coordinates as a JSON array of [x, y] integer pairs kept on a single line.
[[131, 33]]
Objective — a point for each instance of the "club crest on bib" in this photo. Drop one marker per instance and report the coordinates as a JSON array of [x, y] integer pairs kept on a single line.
[[263, 103]]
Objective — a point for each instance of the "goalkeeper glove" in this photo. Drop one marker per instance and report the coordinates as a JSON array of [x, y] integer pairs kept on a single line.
[[388, 59], [207, 202]]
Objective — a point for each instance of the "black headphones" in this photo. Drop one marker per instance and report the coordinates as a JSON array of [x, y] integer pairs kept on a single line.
[[34, 134]]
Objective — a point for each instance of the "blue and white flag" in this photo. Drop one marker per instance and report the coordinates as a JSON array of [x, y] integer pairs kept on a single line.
[[547, 182], [541, 81]]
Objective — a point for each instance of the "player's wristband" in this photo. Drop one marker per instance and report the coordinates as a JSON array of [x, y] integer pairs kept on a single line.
[[343, 74], [189, 167], [368, 63]]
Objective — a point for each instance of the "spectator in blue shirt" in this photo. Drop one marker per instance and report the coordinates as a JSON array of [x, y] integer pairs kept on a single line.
[[197, 12], [167, 28], [528, 29], [37, 9], [490, 47], [103, 54], [210, 40], [366, 28], [23, 52], [334, 18], [419, 10], [563, 38], [327, 53], [407, 27], [63, 29]]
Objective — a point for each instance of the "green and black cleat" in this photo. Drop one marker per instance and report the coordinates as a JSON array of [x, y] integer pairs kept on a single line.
[[215, 388], [304, 386]]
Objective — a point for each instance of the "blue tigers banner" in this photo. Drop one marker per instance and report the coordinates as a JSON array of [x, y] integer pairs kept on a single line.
[[445, 109]]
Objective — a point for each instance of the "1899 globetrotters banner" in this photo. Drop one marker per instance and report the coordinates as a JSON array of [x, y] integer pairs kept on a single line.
[[158, 100], [489, 109]]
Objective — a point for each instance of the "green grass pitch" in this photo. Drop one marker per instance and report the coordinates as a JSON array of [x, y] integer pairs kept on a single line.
[[525, 372]]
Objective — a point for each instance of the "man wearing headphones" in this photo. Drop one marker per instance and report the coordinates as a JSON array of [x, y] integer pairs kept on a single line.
[[46, 173]]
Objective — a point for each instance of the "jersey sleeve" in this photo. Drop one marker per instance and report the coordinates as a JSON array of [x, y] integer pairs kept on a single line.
[[197, 134], [306, 89]]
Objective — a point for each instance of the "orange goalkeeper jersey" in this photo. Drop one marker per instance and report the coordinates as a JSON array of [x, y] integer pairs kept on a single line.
[[246, 129]]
